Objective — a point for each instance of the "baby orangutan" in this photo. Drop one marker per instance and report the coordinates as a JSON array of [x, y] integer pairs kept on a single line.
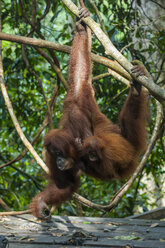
[[113, 153]]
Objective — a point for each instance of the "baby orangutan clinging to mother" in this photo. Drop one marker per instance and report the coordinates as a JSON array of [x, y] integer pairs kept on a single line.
[[113, 153], [105, 151]]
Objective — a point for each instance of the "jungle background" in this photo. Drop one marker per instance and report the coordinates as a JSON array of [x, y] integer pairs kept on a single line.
[[33, 76]]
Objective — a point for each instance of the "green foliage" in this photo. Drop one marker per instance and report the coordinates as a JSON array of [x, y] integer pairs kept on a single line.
[[23, 179]]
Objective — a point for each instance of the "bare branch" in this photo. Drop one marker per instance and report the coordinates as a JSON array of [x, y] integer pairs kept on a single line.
[[46, 10], [33, 11], [156, 2], [22, 154], [54, 67], [117, 96], [111, 64], [44, 124], [39, 82], [17, 126], [15, 213], [36, 28], [4, 205], [114, 74], [99, 16], [119, 77], [127, 46], [14, 119]]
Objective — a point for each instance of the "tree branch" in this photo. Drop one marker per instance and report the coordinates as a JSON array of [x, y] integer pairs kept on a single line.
[[114, 74], [99, 16], [17, 126], [54, 66], [4, 205], [111, 50], [24, 55], [14, 119], [119, 77], [35, 26], [63, 48], [15, 212], [44, 124]]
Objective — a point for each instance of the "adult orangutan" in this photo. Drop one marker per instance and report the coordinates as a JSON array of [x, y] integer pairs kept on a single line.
[[61, 153]]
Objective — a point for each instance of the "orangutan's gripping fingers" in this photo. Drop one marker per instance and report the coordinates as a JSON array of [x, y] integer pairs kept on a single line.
[[83, 13], [139, 70], [43, 210]]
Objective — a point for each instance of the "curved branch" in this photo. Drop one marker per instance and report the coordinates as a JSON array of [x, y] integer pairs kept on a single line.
[[36, 28], [44, 124], [156, 2], [54, 66], [114, 74], [119, 77], [111, 64], [25, 58], [24, 55], [16, 124], [4, 205], [15, 212], [23, 173], [117, 96], [99, 16], [46, 10], [127, 46]]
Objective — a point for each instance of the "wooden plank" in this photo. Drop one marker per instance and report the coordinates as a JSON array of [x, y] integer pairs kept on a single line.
[[91, 243], [25, 231], [104, 221], [107, 220], [65, 219], [51, 235], [43, 246], [104, 230], [92, 220], [155, 214], [125, 243]]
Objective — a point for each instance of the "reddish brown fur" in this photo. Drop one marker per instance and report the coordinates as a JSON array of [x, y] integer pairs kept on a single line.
[[62, 184], [117, 150], [75, 123]]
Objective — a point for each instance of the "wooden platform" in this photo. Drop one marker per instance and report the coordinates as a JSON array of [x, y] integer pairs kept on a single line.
[[25, 231]]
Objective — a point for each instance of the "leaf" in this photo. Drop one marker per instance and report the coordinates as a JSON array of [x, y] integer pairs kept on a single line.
[[131, 237], [24, 237], [154, 225]]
